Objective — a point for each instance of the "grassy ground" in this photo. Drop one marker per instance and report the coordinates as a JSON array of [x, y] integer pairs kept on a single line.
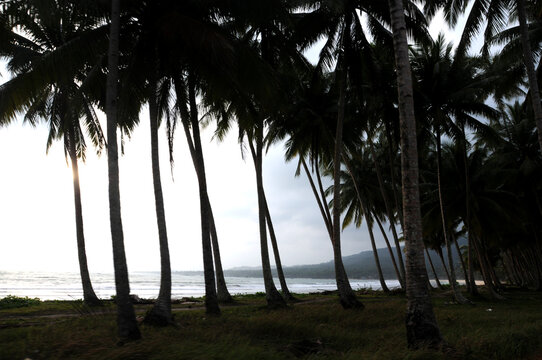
[[316, 327]]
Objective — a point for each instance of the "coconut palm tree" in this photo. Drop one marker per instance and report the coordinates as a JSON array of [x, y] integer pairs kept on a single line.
[[61, 98], [126, 321], [492, 16], [421, 323], [451, 93]]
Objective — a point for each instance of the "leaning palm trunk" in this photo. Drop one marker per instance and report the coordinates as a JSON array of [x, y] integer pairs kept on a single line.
[[439, 285], [273, 297], [160, 314], [369, 221], [321, 202], [457, 293], [346, 294], [222, 292], [484, 269], [463, 267], [389, 212], [529, 64], [211, 299], [421, 324], [390, 251], [441, 257], [377, 260], [89, 296], [126, 320], [471, 282], [282, 279]]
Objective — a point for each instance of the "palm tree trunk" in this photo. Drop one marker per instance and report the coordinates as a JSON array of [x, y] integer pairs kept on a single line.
[[327, 220], [160, 314], [346, 295], [473, 289], [529, 64], [484, 270], [273, 297], [457, 293], [391, 147], [126, 320], [463, 266], [211, 299], [433, 269], [282, 279], [323, 195], [421, 324], [221, 289], [369, 221], [89, 296], [441, 256], [471, 282], [223, 295], [389, 212], [375, 254], [392, 257]]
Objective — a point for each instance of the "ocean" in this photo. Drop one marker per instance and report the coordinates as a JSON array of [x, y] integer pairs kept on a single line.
[[67, 286]]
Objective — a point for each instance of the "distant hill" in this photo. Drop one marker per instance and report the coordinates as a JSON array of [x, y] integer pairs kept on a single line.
[[358, 266]]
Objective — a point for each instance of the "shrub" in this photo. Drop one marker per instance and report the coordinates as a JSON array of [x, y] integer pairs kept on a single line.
[[12, 302]]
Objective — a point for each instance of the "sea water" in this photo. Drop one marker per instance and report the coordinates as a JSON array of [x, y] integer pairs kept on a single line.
[[67, 286]]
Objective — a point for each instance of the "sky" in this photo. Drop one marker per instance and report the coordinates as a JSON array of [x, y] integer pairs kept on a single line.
[[37, 221]]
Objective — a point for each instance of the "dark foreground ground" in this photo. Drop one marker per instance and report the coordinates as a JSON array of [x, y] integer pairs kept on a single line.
[[316, 327]]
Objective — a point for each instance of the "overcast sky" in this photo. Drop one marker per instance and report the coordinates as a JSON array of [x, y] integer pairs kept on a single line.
[[37, 221]]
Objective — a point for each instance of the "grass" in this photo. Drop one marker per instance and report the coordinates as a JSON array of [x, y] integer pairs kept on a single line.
[[314, 328]]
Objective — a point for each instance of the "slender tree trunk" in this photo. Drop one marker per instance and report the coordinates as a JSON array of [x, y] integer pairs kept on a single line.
[[473, 289], [441, 256], [485, 272], [433, 269], [221, 289], [346, 295], [160, 313], [471, 282], [282, 279], [223, 295], [465, 274], [340, 272], [389, 212], [366, 213], [377, 260], [273, 297], [421, 324], [126, 320], [211, 298], [326, 219], [457, 293], [392, 257], [89, 296], [323, 195], [529, 64], [391, 146]]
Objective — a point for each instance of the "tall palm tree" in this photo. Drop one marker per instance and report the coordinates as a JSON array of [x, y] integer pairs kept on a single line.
[[126, 320], [60, 98], [494, 15], [451, 93], [190, 120], [421, 323]]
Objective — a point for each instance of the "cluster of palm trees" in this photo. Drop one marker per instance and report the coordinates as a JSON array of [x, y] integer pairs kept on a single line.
[[425, 140]]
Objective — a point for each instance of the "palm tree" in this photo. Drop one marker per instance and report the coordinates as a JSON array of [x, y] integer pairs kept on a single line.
[[451, 90], [190, 120], [126, 321], [493, 15], [60, 99], [421, 324]]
